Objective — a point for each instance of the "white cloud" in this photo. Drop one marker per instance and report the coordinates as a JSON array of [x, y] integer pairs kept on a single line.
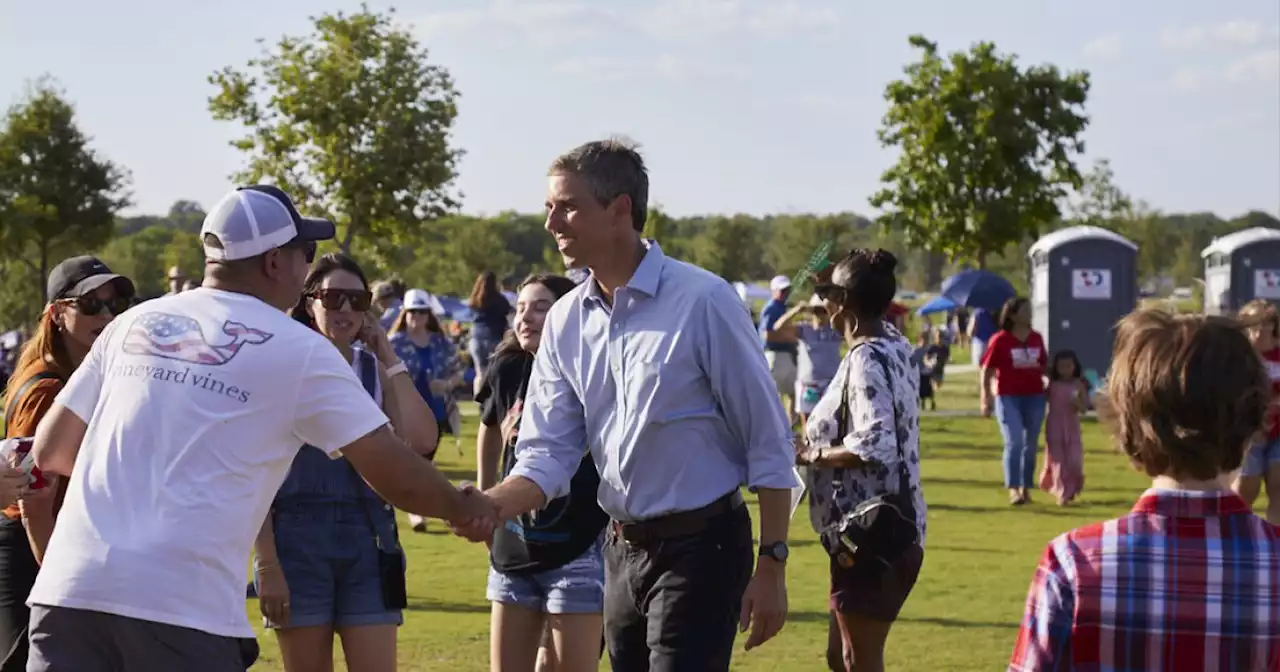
[[556, 22], [1260, 67], [1189, 79], [666, 67], [1107, 46], [686, 19], [1227, 34]]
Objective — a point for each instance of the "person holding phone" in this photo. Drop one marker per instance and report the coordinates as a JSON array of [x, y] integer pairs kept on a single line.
[[84, 297], [321, 564]]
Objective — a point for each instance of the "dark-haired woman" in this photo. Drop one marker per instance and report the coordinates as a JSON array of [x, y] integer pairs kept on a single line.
[[861, 440], [1015, 362], [492, 313], [84, 296], [321, 555], [547, 567], [419, 341]]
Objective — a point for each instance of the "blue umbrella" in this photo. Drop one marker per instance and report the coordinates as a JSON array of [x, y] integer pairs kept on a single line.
[[938, 304], [978, 289]]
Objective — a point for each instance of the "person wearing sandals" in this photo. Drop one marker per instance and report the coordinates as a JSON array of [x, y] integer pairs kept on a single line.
[[320, 555], [861, 441], [1014, 364]]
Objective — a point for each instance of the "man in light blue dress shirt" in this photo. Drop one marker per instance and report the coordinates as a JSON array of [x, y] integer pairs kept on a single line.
[[655, 364]]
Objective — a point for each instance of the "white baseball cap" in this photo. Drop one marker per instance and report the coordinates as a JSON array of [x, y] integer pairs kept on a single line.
[[779, 283], [252, 220], [417, 299]]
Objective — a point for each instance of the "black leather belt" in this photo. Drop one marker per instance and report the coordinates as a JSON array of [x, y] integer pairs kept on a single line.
[[678, 524]]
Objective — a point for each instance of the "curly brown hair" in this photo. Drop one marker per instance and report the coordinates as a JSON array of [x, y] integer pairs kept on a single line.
[[1186, 394]]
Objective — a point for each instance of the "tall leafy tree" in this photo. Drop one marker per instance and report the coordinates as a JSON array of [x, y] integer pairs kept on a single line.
[[987, 149], [58, 196], [1099, 201], [352, 120]]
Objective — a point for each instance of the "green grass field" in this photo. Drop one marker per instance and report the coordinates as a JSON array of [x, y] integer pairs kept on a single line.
[[962, 615]]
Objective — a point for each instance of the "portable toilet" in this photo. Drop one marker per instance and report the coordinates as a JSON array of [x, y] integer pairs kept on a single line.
[[1083, 280], [1240, 267]]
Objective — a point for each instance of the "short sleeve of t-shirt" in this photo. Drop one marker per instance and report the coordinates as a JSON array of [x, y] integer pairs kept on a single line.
[[502, 387], [996, 354], [333, 408], [80, 396]]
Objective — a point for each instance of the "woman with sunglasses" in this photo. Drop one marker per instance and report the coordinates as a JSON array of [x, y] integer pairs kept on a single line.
[[84, 296], [419, 341], [322, 555], [862, 441]]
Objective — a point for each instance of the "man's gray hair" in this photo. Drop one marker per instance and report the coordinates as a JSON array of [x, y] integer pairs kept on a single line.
[[611, 168]]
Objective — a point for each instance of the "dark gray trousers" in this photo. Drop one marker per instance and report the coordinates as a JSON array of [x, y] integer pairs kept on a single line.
[[672, 605], [76, 640]]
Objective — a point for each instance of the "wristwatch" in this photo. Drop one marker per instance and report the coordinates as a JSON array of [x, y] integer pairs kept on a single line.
[[778, 550]]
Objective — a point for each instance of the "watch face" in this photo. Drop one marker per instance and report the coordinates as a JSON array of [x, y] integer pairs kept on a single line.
[[777, 551]]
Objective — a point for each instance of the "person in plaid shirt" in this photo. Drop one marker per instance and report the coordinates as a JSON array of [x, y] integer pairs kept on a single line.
[[1190, 579]]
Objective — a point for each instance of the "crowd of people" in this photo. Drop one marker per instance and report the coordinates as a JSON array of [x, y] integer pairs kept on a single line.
[[286, 407]]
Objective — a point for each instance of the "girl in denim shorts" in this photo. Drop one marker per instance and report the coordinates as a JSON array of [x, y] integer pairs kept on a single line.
[[328, 558], [547, 567]]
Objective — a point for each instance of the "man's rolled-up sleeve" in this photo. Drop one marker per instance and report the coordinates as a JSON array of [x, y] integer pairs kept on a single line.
[[553, 433], [731, 356]]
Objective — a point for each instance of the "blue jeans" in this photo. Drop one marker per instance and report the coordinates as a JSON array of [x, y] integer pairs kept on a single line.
[[1020, 418]]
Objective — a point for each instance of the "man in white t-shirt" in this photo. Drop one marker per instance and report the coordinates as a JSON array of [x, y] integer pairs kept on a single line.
[[181, 424]]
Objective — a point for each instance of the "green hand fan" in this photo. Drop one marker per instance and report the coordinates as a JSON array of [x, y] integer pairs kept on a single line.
[[818, 261]]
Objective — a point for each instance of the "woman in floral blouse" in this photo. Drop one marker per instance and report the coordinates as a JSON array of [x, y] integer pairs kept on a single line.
[[855, 440], [432, 360]]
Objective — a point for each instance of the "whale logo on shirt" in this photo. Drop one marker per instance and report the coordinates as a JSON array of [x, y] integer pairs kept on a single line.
[[181, 338]]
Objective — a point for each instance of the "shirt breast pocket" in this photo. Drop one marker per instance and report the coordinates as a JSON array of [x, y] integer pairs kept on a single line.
[[666, 392]]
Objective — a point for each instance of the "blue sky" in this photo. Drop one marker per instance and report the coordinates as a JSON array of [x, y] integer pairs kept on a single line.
[[740, 106]]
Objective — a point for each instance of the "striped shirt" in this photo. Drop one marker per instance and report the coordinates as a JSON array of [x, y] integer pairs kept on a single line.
[[1186, 581]]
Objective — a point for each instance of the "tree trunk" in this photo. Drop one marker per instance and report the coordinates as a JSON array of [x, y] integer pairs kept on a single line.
[[347, 237], [981, 258], [44, 270]]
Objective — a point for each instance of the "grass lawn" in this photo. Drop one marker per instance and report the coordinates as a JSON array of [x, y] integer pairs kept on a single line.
[[962, 615]]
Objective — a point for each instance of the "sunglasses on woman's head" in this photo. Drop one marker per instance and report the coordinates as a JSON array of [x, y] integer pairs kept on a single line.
[[92, 305], [332, 299]]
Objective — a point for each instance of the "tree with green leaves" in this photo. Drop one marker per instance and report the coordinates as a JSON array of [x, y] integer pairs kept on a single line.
[[58, 196], [1099, 202], [352, 120], [987, 149]]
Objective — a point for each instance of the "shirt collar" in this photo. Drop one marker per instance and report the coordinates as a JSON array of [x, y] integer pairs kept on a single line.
[[1190, 503], [646, 278]]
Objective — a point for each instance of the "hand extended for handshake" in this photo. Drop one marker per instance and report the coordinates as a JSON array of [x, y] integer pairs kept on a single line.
[[480, 518]]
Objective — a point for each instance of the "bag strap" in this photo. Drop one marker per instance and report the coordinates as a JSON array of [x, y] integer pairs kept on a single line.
[[21, 392], [369, 378], [904, 475]]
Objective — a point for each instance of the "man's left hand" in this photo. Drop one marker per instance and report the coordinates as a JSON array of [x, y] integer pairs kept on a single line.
[[764, 605]]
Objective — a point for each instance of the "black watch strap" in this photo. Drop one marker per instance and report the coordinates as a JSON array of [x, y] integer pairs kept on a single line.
[[778, 550]]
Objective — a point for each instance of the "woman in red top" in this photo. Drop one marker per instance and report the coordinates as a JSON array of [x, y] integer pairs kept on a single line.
[[1015, 361]]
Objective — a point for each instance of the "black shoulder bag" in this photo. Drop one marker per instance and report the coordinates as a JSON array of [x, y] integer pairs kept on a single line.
[[880, 530], [21, 392], [391, 560]]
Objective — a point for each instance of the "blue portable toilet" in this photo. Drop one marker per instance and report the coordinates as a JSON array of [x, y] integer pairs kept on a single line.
[[1240, 267], [1084, 279]]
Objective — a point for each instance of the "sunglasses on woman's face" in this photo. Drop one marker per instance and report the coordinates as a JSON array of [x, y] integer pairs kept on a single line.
[[828, 292], [332, 299], [92, 305]]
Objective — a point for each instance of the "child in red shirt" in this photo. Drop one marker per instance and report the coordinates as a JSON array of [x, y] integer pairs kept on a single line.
[[1262, 461]]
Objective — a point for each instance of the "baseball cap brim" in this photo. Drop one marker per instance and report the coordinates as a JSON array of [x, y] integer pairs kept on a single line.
[[314, 229], [124, 286]]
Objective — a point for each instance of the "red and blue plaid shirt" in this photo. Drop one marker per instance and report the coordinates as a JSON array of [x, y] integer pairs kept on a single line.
[[1186, 581]]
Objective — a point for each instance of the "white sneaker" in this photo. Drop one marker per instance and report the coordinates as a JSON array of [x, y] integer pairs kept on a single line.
[[417, 523]]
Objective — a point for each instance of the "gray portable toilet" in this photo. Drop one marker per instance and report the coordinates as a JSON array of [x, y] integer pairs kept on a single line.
[[1240, 267], [1083, 280]]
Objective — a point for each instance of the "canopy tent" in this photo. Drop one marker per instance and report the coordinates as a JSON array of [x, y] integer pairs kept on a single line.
[[938, 304], [751, 293], [451, 307], [978, 289]]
